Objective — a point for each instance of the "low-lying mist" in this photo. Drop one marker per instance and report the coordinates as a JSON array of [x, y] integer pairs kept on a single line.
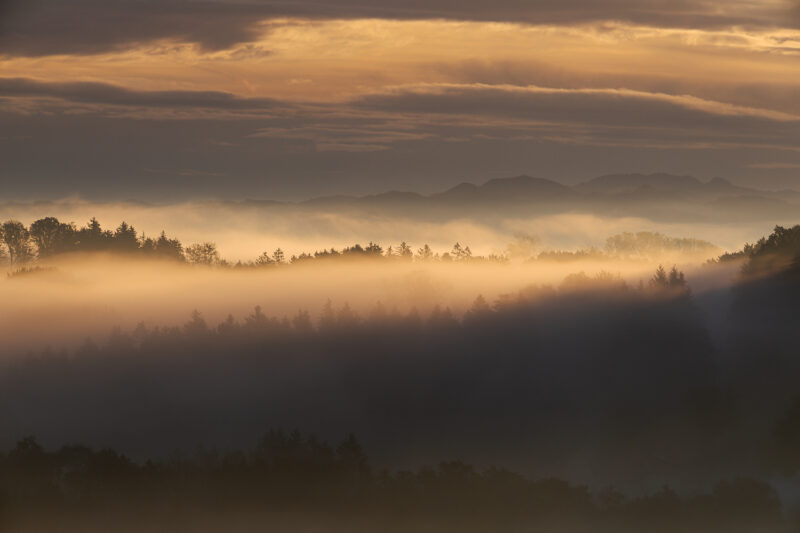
[[241, 231], [71, 280], [67, 298], [597, 366]]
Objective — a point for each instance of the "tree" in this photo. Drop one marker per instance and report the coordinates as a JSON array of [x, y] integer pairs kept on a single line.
[[203, 254], [773, 253], [425, 253], [147, 245], [659, 280], [277, 258], [374, 249], [169, 248], [17, 239], [264, 259], [92, 237], [480, 309], [460, 253], [674, 281], [196, 326], [125, 239], [404, 251], [51, 236]]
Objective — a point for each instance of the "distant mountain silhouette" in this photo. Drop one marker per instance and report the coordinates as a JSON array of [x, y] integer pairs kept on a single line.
[[392, 197], [658, 195], [623, 183], [516, 189], [612, 184]]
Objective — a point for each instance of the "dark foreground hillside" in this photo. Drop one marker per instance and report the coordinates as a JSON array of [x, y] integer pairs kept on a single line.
[[299, 483]]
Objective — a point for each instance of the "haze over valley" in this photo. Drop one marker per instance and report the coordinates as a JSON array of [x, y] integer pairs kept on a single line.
[[349, 265]]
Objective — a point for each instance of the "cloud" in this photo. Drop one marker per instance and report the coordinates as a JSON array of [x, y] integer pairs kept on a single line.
[[547, 103], [103, 93], [46, 27], [78, 137], [407, 106]]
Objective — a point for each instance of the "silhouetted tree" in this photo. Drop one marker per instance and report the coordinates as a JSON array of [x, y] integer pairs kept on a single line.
[[203, 254], [772, 253], [125, 238], [404, 251], [264, 259], [17, 239], [659, 279], [676, 279], [52, 237], [169, 248], [93, 238], [374, 249], [425, 253], [461, 253]]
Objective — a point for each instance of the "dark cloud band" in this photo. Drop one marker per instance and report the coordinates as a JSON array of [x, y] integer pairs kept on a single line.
[[103, 93], [46, 27]]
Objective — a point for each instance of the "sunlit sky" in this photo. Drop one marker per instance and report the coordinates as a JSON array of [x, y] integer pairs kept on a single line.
[[181, 99]]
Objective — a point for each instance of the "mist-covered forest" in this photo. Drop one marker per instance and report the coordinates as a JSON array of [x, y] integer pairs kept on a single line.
[[619, 386], [388, 265], [48, 237]]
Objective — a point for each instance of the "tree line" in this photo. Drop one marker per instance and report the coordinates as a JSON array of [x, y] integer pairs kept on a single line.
[[303, 476], [488, 379], [770, 254], [48, 237]]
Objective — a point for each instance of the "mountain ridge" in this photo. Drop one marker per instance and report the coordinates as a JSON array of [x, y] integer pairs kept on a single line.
[[525, 187]]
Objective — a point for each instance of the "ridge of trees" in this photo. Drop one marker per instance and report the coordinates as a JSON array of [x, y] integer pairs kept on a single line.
[[663, 285], [48, 237], [305, 474], [777, 251], [642, 368]]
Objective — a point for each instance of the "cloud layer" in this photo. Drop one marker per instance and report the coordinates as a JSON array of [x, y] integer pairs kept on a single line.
[[287, 100], [43, 27], [198, 138]]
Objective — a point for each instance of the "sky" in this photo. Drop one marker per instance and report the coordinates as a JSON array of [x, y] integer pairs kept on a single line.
[[168, 100]]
